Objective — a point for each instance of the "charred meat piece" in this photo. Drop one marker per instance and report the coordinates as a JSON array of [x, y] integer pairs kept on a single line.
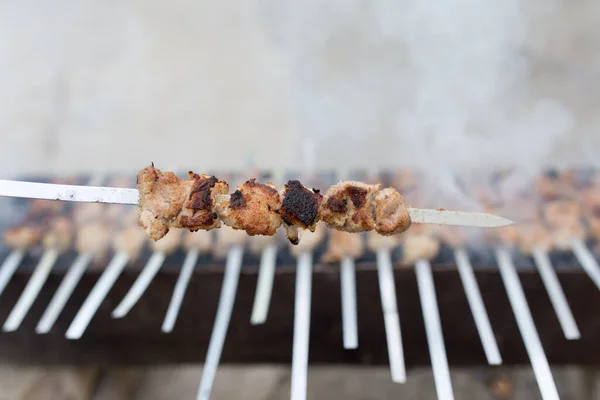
[[23, 236], [299, 209], [60, 235], [343, 244], [253, 207], [166, 201], [357, 207]]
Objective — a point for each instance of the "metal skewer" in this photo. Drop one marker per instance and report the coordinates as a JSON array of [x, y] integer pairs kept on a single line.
[[482, 321], [533, 345], [348, 291], [97, 295], [391, 318], [219, 332], [301, 339], [9, 266], [587, 260], [97, 194], [31, 291], [187, 269], [140, 285], [556, 294], [264, 285], [433, 330]]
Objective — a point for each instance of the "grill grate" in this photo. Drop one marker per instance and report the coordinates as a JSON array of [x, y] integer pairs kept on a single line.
[[449, 309]]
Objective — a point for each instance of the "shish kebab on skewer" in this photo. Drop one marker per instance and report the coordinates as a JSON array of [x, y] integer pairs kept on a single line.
[[201, 203]]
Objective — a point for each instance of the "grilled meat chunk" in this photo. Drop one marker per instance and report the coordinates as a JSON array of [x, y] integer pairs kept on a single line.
[[93, 237], [343, 244], [357, 207], [299, 209], [532, 236], [60, 235], [166, 201], [562, 213], [253, 207], [419, 246], [23, 236]]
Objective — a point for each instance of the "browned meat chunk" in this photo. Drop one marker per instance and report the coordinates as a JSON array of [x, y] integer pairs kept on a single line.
[[23, 237], [94, 237], [343, 244], [299, 209], [358, 207], [419, 246], [253, 207], [562, 213], [60, 235], [130, 240], [166, 201]]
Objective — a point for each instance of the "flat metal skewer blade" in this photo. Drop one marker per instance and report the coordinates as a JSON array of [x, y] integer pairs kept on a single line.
[[140, 285], [219, 332], [9, 266], [459, 218], [187, 269], [482, 320], [97, 295], [556, 294], [63, 292], [433, 330], [301, 340], [78, 193], [348, 291], [31, 291], [264, 285], [587, 260], [533, 345], [391, 319]]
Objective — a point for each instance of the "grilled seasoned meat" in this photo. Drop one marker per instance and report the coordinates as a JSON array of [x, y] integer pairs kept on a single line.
[[85, 212], [532, 236], [376, 242], [253, 207], [226, 238], [129, 240], [343, 244], [169, 243], [419, 246], [94, 237], [299, 209], [60, 235], [358, 207], [23, 236], [310, 240], [562, 213], [200, 240], [166, 201]]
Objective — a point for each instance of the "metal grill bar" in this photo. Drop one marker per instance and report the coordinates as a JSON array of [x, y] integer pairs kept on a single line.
[[533, 345], [183, 280], [587, 260], [9, 266], [264, 285], [348, 291]]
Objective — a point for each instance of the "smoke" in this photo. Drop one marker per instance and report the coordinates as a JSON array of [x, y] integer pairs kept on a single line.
[[441, 86]]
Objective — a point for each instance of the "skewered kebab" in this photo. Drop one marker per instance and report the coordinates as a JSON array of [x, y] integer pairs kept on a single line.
[[165, 202]]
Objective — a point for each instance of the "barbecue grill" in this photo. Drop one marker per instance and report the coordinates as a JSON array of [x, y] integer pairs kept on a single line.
[[481, 303]]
